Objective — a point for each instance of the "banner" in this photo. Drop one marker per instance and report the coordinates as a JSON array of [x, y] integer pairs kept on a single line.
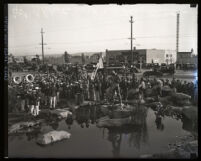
[[99, 65]]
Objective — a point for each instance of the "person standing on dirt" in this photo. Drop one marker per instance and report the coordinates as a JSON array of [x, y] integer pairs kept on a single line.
[[46, 93], [35, 102], [32, 101], [142, 86], [57, 92], [22, 97], [116, 81], [53, 96]]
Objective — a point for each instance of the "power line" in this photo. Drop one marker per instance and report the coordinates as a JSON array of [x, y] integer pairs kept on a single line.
[[102, 40], [94, 25], [131, 21]]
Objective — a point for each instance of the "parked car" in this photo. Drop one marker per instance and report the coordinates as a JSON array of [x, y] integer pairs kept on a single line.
[[189, 66], [167, 68]]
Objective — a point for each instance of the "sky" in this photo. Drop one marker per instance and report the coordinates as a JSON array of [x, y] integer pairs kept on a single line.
[[83, 28]]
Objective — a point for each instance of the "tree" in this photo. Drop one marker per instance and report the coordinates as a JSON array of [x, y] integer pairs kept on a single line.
[[66, 57], [37, 58], [83, 58], [25, 60]]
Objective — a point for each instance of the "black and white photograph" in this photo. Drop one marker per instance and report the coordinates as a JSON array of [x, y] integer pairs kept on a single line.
[[102, 81]]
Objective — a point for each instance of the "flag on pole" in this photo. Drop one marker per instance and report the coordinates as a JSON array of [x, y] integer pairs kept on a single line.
[[99, 65]]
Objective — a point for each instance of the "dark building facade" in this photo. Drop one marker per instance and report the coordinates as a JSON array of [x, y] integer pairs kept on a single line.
[[124, 56], [186, 57]]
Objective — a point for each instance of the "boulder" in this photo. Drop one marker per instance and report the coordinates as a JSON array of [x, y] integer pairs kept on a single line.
[[166, 100], [155, 105], [176, 109], [21, 125], [52, 136], [181, 96], [167, 91], [176, 99], [107, 122], [190, 112], [61, 113], [149, 99]]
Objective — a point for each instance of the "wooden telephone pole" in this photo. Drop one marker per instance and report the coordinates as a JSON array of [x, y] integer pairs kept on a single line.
[[131, 21], [42, 44]]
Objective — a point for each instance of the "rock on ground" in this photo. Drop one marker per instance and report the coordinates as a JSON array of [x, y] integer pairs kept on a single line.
[[52, 136], [167, 91], [21, 125], [191, 112], [60, 113], [176, 99]]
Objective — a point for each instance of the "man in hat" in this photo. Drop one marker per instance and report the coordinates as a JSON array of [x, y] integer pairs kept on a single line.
[[37, 103], [22, 97], [34, 102], [31, 102], [116, 81], [142, 85], [47, 93], [53, 96], [27, 98], [57, 91], [160, 85]]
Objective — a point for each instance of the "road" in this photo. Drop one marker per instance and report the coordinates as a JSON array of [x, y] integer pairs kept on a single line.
[[189, 76]]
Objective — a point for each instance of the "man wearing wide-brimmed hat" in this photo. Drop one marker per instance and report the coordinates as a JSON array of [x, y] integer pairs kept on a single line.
[[37, 101], [53, 96], [31, 101]]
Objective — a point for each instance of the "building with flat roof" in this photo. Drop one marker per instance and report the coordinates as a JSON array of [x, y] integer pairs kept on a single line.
[[186, 57], [141, 56]]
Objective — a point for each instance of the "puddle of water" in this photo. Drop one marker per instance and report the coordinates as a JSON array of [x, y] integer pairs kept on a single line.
[[148, 134]]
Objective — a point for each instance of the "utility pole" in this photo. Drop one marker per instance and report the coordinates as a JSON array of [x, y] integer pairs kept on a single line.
[[177, 35], [42, 44], [131, 21]]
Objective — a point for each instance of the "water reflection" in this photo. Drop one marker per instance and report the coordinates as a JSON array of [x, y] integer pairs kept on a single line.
[[137, 131], [69, 121], [190, 125], [115, 139], [83, 117], [159, 124], [87, 115], [54, 125], [187, 124], [33, 134]]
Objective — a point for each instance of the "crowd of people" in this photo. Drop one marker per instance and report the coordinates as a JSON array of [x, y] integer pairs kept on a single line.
[[48, 89]]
